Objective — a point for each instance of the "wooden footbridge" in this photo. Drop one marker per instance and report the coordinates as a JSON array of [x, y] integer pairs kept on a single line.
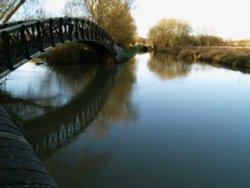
[[20, 41]]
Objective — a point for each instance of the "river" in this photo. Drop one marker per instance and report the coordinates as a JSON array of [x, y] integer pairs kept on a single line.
[[152, 122]]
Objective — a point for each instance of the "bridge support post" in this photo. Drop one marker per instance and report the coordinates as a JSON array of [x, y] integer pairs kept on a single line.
[[61, 30], [25, 43], [51, 32], [6, 46], [76, 34], [70, 32], [39, 36]]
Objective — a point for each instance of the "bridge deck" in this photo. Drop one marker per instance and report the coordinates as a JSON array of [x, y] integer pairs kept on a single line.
[[19, 165]]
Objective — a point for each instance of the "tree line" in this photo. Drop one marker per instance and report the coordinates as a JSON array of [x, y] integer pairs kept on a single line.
[[8, 8], [112, 15], [115, 17], [171, 32]]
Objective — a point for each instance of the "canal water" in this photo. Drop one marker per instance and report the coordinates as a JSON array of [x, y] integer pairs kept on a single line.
[[152, 122]]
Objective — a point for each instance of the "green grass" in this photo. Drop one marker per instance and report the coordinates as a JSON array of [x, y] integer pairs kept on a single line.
[[130, 52]]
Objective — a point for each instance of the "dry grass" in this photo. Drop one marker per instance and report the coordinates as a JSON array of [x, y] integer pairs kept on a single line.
[[231, 56]]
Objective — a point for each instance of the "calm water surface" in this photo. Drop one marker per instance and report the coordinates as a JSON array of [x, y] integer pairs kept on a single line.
[[153, 122]]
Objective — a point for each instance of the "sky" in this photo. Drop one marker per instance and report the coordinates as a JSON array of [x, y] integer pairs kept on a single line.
[[226, 18], [54, 6]]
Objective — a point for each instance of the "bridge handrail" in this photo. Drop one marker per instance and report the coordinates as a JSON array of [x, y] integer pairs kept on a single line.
[[9, 24], [15, 27], [28, 23]]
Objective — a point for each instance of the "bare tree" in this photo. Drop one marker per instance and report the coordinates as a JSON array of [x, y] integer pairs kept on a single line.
[[74, 8], [97, 9], [8, 8], [31, 9]]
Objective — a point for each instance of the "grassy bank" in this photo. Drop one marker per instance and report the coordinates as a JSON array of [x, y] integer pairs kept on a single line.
[[229, 56]]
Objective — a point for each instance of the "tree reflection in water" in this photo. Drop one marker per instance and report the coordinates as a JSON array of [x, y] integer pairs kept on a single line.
[[118, 106], [168, 67]]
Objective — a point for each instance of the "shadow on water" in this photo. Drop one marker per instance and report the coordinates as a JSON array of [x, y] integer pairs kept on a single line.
[[66, 98], [168, 67]]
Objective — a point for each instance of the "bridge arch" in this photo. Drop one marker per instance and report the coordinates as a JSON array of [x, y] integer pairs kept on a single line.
[[22, 40]]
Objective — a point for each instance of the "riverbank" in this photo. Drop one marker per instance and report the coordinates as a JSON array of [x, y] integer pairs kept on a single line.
[[128, 53], [237, 57], [131, 51]]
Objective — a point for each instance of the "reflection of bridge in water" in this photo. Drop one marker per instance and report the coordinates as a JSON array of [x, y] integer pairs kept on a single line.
[[51, 132]]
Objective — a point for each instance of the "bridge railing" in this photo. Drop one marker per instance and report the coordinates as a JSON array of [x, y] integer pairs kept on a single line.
[[20, 41]]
